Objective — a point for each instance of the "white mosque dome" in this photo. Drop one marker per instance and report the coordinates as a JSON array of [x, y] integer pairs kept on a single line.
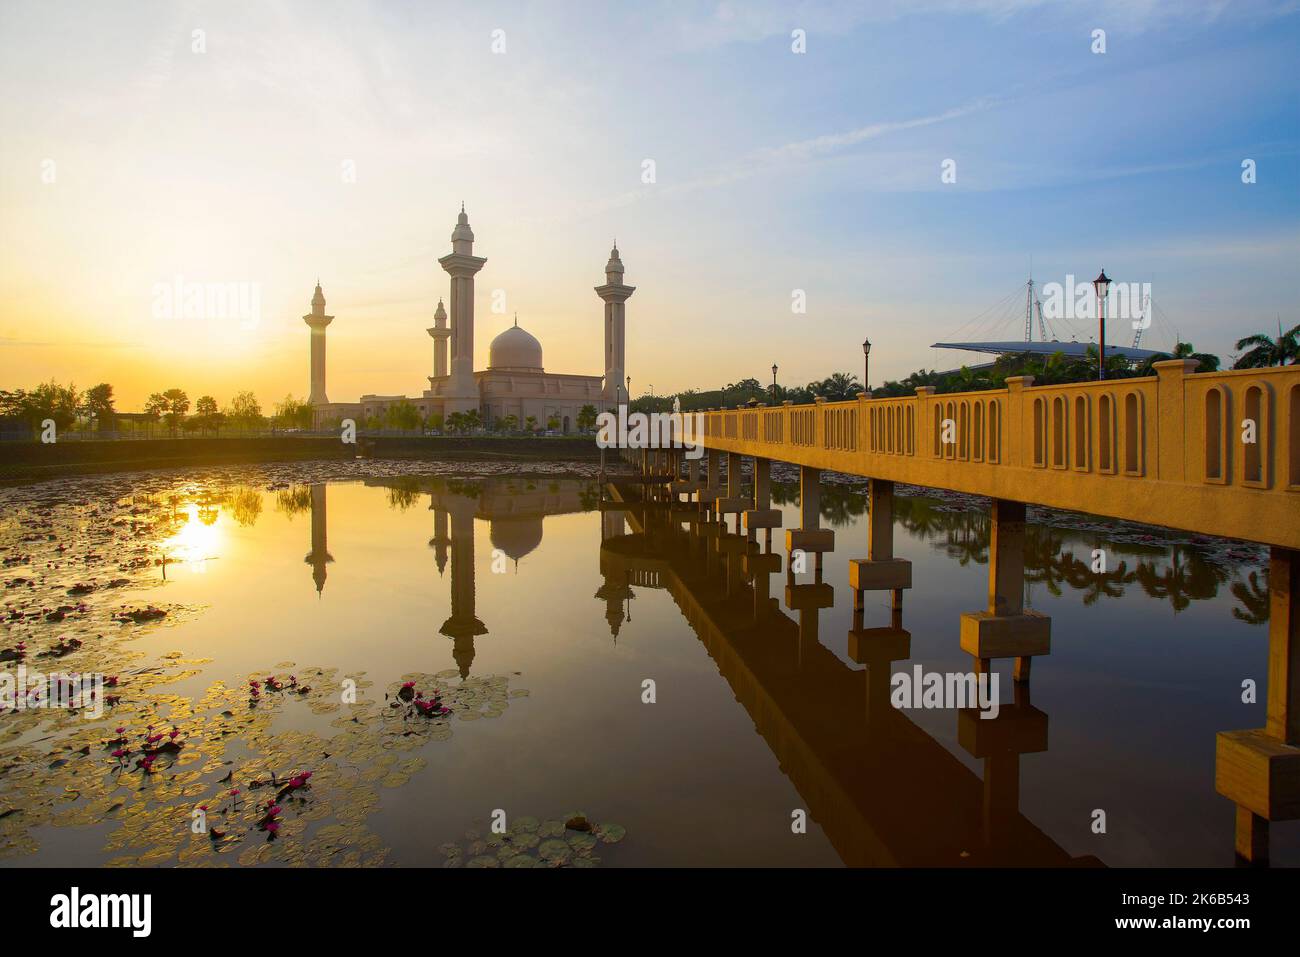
[[515, 349]]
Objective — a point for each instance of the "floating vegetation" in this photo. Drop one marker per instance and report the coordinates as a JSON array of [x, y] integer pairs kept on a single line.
[[528, 842], [276, 767]]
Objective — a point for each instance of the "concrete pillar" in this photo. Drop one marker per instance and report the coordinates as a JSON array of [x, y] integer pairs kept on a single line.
[[810, 497], [762, 483], [809, 537], [1005, 629], [880, 571], [880, 521], [1283, 720], [1259, 770], [1007, 558]]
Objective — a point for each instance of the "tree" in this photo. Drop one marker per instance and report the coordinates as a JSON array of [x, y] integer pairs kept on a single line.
[[244, 411], [456, 422], [1265, 352], [49, 400], [155, 405], [177, 404], [553, 423], [473, 420], [838, 387], [434, 421], [530, 423], [205, 412], [402, 415], [1183, 350], [587, 417], [509, 423], [97, 404], [291, 413]]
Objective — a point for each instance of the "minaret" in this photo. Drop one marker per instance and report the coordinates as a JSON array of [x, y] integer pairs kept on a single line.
[[461, 264], [615, 295], [318, 321], [440, 334], [319, 556]]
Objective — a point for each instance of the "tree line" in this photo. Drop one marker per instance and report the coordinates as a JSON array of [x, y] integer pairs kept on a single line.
[[1259, 351]]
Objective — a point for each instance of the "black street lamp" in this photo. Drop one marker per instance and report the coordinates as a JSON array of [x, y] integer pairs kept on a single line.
[[1100, 285], [866, 366], [774, 383]]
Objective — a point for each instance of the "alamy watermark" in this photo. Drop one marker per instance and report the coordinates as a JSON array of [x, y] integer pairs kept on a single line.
[[178, 299], [25, 690], [1124, 300], [654, 430], [948, 690]]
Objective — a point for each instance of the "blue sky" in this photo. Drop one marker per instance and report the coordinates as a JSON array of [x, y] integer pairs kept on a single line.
[[775, 171]]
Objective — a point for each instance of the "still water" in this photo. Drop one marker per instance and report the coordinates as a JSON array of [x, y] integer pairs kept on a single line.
[[539, 611]]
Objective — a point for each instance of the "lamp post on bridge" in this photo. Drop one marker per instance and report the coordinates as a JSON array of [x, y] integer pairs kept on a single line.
[[774, 383], [1100, 285], [866, 366]]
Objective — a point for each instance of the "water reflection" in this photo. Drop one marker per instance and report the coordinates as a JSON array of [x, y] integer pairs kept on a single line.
[[883, 790], [1164, 566]]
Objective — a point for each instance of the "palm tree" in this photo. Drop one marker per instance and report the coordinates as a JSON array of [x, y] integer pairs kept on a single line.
[[1184, 350], [1265, 351], [1254, 599]]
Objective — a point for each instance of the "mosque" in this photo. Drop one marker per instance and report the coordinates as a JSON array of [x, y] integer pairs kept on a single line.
[[515, 383]]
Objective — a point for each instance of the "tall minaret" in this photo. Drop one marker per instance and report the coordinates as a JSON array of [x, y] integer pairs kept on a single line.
[[440, 334], [461, 264], [615, 295], [318, 321]]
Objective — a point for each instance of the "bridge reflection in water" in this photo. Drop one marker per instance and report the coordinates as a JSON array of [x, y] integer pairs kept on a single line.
[[884, 791]]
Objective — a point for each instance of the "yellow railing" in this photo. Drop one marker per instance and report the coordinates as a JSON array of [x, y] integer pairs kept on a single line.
[[1214, 452]]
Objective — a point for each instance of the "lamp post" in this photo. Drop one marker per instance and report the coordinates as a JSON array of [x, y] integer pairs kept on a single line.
[[774, 383], [866, 366], [629, 390], [1100, 285]]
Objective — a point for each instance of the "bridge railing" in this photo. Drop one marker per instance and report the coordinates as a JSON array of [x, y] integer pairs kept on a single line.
[[1079, 445]]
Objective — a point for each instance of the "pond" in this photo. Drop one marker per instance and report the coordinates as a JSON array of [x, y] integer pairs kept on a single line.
[[347, 664]]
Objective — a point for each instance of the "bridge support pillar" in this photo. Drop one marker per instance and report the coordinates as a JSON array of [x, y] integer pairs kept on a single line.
[[1006, 630], [810, 537], [880, 570], [762, 515], [878, 649], [713, 490], [733, 503], [1259, 770]]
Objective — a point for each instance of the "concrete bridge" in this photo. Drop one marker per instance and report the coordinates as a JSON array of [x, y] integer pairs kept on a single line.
[[1216, 453]]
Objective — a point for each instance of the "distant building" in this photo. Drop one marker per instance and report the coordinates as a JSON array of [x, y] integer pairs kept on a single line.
[[515, 383]]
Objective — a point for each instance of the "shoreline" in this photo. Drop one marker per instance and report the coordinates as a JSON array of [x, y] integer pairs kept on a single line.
[[23, 463]]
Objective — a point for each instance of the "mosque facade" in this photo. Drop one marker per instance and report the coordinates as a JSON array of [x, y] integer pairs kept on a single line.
[[515, 383]]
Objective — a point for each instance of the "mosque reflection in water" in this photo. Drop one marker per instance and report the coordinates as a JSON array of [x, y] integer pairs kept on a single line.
[[884, 790]]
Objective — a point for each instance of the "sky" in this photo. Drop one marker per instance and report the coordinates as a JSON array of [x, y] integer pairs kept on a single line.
[[294, 140]]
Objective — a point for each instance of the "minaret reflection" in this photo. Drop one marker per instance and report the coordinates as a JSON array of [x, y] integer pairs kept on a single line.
[[319, 555], [515, 510], [440, 539], [883, 790], [463, 626], [616, 591]]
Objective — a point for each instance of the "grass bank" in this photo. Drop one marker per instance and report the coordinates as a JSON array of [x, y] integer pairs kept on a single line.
[[22, 462]]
